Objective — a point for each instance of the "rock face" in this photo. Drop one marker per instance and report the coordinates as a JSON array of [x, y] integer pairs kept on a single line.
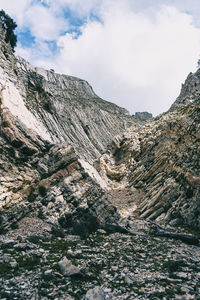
[[190, 91], [55, 108], [66, 154], [158, 164], [57, 188], [52, 127]]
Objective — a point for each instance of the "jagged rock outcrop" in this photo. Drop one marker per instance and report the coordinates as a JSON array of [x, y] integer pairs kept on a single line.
[[158, 164], [190, 91], [59, 190]]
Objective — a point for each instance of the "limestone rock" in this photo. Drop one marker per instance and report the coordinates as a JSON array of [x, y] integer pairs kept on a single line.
[[40, 107], [52, 127], [159, 162]]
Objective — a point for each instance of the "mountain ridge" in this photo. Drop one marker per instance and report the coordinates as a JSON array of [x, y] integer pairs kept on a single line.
[[58, 109]]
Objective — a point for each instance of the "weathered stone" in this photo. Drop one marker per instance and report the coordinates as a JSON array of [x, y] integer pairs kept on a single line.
[[13, 263], [8, 244], [67, 268], [128, 280], [95, 294], [48, 274]]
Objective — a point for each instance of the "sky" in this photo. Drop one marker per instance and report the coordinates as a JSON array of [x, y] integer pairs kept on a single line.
[[135, 53]]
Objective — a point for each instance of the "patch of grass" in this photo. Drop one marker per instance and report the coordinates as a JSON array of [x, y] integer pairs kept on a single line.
[[5, 268], [14, 225], [35, 239], [28, 263], [173, 265]]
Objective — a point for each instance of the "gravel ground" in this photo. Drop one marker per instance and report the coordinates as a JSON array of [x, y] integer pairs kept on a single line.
[[124, 266]]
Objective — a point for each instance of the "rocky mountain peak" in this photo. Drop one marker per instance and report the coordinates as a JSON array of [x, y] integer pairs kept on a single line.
[[190, 91]]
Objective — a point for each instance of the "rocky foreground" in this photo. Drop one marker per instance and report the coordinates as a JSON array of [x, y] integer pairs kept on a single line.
[[39, 264], [95, 203]]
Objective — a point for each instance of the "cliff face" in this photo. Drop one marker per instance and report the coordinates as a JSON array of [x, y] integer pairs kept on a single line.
[[52, 129], [57, 108], [157, 165]]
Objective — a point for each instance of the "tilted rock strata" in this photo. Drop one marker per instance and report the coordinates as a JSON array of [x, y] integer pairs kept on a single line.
[[56, 108], [161, 163], [38, 178], [52, 127], [60, 191]]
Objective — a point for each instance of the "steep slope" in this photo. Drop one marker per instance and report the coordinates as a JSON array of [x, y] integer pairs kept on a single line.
[[56, 108], [156, 167], [190, 91], [51, 127]]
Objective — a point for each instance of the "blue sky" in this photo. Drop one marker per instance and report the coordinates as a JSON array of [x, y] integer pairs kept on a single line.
[[133, 53]]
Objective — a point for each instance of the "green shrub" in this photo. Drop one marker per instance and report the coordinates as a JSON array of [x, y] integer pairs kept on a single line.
[[9, 25]]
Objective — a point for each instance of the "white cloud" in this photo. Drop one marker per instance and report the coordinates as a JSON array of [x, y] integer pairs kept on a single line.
[[43, 23], [15, 9], [39, 53], [136, 60]]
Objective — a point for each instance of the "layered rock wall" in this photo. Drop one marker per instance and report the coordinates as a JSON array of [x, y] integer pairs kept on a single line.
[[159, 164], [52, 127], [58, 108]]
